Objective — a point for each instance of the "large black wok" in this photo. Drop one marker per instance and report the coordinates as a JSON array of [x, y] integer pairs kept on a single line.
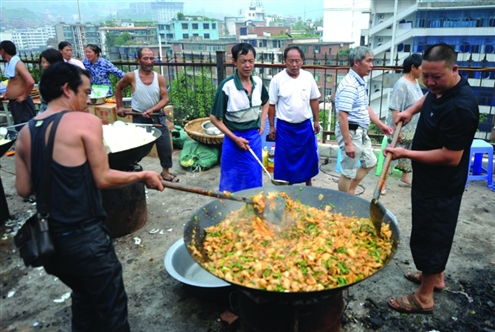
[[123, 159], [216, 211]]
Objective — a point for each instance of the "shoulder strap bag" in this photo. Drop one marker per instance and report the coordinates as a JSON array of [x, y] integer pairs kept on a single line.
[[33, 238]]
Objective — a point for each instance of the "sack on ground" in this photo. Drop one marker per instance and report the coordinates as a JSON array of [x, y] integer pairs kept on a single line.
[[197, 157], [34, 242], [179, 136]]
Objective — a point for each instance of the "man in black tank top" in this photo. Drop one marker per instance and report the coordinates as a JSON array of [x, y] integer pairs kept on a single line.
[[85, 259]]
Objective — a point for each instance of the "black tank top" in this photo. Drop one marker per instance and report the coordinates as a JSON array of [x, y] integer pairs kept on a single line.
[[74, 197]]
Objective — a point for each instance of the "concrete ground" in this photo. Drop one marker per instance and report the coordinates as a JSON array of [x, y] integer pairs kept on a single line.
[[32, 300]]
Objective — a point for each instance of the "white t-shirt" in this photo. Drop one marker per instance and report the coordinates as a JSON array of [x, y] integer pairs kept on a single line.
[[291, 96], [75, 62]]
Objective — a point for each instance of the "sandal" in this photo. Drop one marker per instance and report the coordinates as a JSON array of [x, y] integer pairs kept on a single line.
[[416, 278], [170, 177], [408, 304]]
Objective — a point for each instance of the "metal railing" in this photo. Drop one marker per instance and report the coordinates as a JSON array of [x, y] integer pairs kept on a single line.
[[182, 72]]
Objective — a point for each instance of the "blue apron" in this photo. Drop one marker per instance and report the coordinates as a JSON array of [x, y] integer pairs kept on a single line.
[[239, 170], [296, 152]]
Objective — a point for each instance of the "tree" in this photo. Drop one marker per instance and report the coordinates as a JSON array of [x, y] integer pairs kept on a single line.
[[344, 52], [192, 96], [180, 17], [123, 39]]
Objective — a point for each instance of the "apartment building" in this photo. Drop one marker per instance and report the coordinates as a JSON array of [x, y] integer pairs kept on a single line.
[[32, 39], [138, 35], [78, 35], [399, 28], [192, 27]]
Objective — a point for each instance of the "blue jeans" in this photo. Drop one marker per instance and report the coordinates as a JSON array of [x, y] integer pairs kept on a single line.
[[85, 261]]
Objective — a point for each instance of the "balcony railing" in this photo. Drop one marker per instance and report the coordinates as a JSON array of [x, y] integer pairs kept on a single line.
[[327, 70]]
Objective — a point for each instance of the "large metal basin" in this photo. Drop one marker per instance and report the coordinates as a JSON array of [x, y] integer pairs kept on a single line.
[[182, 267]]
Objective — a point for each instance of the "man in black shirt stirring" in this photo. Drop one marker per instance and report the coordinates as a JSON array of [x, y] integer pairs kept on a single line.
[[440, 159]]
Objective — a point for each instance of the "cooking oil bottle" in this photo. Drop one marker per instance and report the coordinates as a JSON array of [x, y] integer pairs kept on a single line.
[[264, 155], [271, 158]]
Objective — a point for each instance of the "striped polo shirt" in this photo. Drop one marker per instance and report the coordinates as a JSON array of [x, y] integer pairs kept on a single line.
[[239, 110], [352, 97]]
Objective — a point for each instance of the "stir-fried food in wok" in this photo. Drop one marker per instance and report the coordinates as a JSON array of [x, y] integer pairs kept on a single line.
[[311, 250]]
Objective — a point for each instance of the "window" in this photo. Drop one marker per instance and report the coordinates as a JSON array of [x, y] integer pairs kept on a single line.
[[328, 78], [185, 26], [243, 31], [185, 36], [213, 25], [195, 34], [195, 26], [407, 48], [207, 36], [317, 77], [170, 36], [206, 25], [465, 48], [328, 91]]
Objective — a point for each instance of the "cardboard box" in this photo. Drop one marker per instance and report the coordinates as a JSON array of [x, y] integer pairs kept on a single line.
[[106, 112]]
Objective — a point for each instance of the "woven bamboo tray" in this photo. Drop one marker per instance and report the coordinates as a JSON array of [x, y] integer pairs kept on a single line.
[[194, 129]]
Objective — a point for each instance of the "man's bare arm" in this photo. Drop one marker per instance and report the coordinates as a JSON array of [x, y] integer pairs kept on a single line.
[[315, 109], [406, 115], [104, 176], [26, 77], [23, 183], [121, 85], [441, 156]]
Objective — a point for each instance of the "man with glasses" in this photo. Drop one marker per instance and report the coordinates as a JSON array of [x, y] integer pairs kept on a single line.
[[354, 116], [294, 100]]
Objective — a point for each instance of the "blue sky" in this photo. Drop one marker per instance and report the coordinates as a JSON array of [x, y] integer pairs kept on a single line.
[[216, 8]]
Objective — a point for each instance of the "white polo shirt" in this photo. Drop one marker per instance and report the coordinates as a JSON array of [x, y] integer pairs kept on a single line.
[[291, 95]]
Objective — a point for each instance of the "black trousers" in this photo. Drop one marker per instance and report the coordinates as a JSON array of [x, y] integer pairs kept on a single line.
[[85, 261], [22, 112], [434, 220], [164, 142]]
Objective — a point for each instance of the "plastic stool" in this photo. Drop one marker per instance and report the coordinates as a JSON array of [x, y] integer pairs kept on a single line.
[[338, 167], [475, 170]]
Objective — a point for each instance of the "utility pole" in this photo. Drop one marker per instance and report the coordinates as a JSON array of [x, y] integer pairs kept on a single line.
[[394, 31], [81, 40]]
